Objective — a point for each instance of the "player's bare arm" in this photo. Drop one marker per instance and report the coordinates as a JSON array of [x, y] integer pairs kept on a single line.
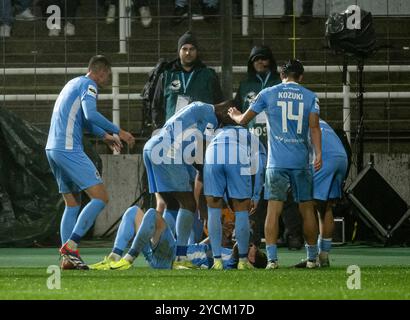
[[127, 137], [316, 136], [113, 142], [239, 118]]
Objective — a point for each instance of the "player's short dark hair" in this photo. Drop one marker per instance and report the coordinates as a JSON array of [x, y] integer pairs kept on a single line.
[[293, 68], [99, 62], [261, 260], [221, 111]]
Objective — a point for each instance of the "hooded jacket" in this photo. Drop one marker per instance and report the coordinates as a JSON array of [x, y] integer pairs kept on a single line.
[[253, 84]]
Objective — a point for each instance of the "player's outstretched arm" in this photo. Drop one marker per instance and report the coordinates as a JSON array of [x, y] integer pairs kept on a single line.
[[316, 136], [94, 117], [127, 137], [239, 118], [95, 130], [113, 142]]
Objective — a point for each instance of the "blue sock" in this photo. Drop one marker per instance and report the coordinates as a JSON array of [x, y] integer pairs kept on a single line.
[[183, 229], [324, 244], [144, 233], [191, 239], [170, 216], [272, 252], [126, 230], [242, 232], [86, 219], [68, 222], [215, 230], [311, 251]]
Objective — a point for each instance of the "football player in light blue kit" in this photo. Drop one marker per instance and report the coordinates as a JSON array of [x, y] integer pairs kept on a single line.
[[152, 236], [169, 158], [232, 158], [149, 233], [292, 111], [327, 187], [74, 111]]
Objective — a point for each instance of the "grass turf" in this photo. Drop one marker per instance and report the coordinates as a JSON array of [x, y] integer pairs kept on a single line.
[[385, 274]]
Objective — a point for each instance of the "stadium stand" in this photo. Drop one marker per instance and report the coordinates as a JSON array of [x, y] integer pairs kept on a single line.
[[386, 119]]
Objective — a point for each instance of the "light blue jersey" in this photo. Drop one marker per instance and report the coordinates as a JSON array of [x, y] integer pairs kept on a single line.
[[200, 255], [74, 111], [169, 155], [331, 144], [287, 107], [232, 158], [194, 119], [328, 181]]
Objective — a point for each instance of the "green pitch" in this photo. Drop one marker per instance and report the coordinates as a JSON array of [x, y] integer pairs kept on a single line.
[[384, 274]]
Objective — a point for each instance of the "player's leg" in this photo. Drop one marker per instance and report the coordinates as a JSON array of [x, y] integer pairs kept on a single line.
[[242, 230], [72, 208], [275, 208], [302, 187], [198, 224], [68, 221], [174, 179], [83, 173], [170, 211], [310, 231], [69, 191], [276, 186], [326, 227], [185, 218], [74, 172], [150, 227], [239, 189], [99, 198], [163, 246], [126, 231], [327, 184], [126, 262], [215, 205], [214, 189]]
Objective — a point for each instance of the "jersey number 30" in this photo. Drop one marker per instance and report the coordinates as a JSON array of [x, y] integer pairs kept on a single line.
[[287, 108]]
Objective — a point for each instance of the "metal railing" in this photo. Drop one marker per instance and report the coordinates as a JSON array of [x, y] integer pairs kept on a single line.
[[116, 96]]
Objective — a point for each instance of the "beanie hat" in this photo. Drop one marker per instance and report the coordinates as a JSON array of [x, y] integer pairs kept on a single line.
[[187, 38]]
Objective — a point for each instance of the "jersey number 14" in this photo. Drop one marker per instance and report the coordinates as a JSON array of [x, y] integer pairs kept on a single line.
[[287, 109]]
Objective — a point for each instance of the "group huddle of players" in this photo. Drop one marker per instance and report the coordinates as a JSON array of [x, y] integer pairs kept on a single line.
[[203, 147]]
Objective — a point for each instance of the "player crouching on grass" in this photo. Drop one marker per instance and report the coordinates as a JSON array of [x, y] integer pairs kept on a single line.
[[154, 238], [232, 157]]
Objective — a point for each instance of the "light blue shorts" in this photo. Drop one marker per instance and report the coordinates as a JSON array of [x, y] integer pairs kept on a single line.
[[74, 171], [278, 181], [165, 177], [168, 177], [227, 178], [328, 181], [163, 254]]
